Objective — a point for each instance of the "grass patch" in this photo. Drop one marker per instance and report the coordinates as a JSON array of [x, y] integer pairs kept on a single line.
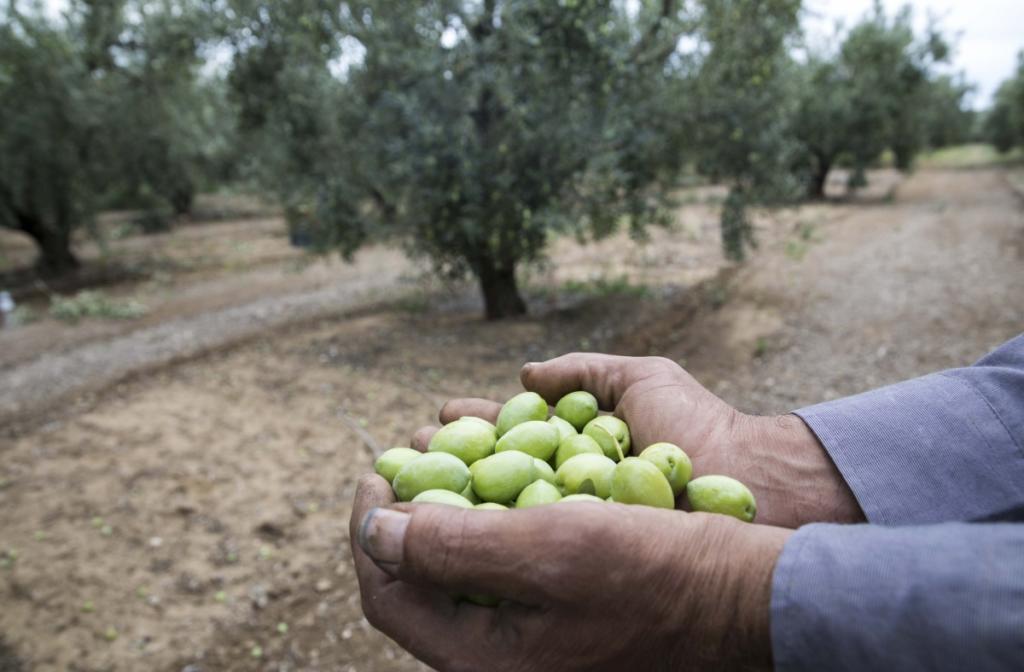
[[604, 287], [96, 304], [976, 155]]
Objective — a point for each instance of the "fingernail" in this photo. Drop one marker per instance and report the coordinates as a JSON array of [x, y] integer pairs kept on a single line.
[[382, 535]]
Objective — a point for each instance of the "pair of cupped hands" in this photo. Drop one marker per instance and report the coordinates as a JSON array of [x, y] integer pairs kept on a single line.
[[600, 586]]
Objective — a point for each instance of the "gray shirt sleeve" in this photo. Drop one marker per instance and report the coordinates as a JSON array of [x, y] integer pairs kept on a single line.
[[945, 447], [931, 597], [915, 590]]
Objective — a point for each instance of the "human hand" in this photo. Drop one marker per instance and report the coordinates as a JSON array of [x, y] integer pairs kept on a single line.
[[778, 458], [584, 586]]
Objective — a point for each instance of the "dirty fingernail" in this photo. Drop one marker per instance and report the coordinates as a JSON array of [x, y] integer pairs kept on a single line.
[[382, 535]]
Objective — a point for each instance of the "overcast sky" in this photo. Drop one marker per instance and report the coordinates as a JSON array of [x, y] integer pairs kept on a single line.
[[990, 32]]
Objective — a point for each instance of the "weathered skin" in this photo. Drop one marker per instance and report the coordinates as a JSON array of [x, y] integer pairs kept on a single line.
[[431, 471], [502, 476], [393, 459], [721, 494], [672, 461], [521, 408], [577, 408], [446, 497], [532, 437], [637, 481], [538, 493], [467, 440], [586, 474], [579, 444]]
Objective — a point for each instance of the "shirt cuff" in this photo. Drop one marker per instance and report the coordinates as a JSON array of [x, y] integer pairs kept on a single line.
[[866, 597], [926, 450]]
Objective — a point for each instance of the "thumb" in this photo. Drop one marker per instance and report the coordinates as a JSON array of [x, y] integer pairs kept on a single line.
[[607, 377], [504, 554]]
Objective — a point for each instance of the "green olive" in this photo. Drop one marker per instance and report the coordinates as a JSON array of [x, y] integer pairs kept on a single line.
[[721, 494], [393, 459], [581, 498], [465, 439], [502, 476], [532, 437], [431, 471], [521, 408], [490, 506], [672, 461], [468, 493], [563, 427], [536, 494], [637, 481], [442, 497], [577, 444], [613, 426], [586, 474], [544, 471], [577, 408], [480, 421]]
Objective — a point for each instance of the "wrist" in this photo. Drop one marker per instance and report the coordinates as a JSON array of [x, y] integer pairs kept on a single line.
[[790, 473]]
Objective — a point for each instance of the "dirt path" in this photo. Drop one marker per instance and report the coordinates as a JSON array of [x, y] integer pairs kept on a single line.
[[198, 515], [51, 378], [930, 281]]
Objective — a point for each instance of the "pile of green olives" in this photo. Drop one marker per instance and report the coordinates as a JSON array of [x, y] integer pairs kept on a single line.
[[530, 459]]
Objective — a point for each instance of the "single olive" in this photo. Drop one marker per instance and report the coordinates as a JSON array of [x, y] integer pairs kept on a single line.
[[586, 474], [613, 426], [521, 408], [637, 481], [468, 493], [490, 506], [721, 494], [442, 497], [532, 437], [577, 444], [536, 494], [581, 497], [465, 439], [577, 408], [430, 471], [544, 471], [480, 421], [672, 461], [502, 476], [393, 459], [563, 427]]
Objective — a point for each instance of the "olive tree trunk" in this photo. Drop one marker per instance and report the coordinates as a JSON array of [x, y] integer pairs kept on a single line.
[[54, 244], [500, 291]]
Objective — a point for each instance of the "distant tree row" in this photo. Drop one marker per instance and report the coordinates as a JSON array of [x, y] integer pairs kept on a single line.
[[1004, 125], [104, 105], [469, 131]]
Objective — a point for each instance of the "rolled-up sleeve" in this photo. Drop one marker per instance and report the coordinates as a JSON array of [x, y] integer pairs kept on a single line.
[[868, 597], [945, 447]]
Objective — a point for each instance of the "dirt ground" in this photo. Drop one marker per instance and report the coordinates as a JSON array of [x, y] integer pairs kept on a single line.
[[194, 514]]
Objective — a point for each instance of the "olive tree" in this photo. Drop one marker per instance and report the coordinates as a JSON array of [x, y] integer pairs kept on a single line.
[[875, 92], [1004, 123], [469, 130]]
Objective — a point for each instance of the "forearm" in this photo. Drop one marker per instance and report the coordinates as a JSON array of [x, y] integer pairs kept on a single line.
[[939, 597]]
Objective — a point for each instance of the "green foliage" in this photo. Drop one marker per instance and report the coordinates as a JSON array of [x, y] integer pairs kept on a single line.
[[1004, 124], [467, 130], [878, 91], [737, 107], [91, 303], [106, 102]]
